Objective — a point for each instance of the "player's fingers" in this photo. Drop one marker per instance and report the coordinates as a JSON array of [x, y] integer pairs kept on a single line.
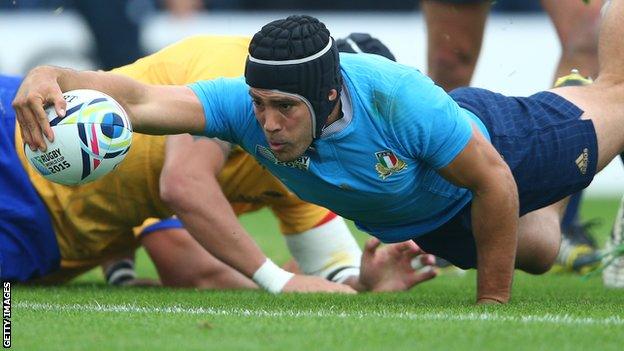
[[406, 250], [41, 115], [26, 138], [428, 260], [424, 274], [422, 261], [399, 250], [60, 105], [17, 107], [34, 112], [372, 245], [410, 249], [407, 247], [31, 129]]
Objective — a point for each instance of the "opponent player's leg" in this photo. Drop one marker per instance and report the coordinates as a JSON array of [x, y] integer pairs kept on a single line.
[[577, 25], [613, 273], [577, 252], [454, 35], [182, 262], [603, 101]]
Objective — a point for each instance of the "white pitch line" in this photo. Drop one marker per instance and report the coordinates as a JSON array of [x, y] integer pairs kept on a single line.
[[439, 316]]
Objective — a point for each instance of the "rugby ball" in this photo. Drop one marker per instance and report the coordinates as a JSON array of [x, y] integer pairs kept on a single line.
[[89, 142]]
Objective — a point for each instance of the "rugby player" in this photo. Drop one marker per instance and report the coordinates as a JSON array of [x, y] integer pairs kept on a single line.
[[50, 232], [474, 177]]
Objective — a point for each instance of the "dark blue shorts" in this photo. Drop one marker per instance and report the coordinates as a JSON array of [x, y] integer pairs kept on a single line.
[[28, 247], [552, 154]]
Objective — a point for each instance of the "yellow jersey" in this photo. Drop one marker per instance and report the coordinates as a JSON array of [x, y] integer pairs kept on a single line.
[[95, 221]]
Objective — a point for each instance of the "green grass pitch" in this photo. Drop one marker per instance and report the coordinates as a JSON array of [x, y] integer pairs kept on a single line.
[[551, 312]]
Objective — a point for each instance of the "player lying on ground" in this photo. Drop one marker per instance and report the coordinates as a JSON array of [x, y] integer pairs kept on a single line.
[[474, 177], [51, 232]]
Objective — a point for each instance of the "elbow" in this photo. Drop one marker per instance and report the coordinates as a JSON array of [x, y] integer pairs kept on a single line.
[[500, 178], [505, 180], [175, 191]]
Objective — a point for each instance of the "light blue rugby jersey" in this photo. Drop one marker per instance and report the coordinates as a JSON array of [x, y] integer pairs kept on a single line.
[[379, 171]]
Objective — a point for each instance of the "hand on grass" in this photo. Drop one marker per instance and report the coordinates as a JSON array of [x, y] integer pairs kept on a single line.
[[390, 268]]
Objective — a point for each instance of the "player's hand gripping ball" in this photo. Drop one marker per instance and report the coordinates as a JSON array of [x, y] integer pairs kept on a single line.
[[89, 142]]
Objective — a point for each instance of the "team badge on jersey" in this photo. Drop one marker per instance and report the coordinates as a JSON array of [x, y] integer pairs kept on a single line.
[[301, 162], [388, 164]]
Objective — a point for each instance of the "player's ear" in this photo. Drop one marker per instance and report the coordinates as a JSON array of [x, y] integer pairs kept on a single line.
[[333, 95]]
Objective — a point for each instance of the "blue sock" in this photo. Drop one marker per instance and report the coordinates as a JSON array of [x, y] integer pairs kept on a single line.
[[570, 216]]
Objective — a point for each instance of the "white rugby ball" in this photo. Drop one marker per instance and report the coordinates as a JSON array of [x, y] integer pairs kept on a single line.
[[89, 142]]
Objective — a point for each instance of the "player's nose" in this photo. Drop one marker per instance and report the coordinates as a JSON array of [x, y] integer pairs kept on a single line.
[[272, 120]]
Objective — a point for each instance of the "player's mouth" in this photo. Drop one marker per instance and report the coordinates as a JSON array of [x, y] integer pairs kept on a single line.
[[277, 146]]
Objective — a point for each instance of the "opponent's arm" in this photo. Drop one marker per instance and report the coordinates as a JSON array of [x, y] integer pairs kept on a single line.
[[481, 169], [152, 109], [189, 185]]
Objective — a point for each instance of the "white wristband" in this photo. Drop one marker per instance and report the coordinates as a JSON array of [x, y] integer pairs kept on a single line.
[[271, 277]]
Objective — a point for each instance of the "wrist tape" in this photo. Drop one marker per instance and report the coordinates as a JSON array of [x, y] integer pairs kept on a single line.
[[271, 277]]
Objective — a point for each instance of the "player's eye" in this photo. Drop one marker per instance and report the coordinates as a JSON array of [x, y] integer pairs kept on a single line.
[[257, 102], [285, 106]]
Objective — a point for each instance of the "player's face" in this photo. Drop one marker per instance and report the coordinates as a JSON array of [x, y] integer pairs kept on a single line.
[[285, 120]]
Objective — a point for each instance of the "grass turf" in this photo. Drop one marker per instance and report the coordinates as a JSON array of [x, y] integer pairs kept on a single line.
[[562, 312]]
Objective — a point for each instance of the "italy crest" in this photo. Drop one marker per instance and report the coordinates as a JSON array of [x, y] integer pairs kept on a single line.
[[388, 164]]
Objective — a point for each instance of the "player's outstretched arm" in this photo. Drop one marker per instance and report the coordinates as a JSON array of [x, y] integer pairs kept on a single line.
[[494, 215], [152, 109]]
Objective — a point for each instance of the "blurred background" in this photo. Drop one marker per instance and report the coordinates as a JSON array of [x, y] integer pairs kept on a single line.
[[519, 54]]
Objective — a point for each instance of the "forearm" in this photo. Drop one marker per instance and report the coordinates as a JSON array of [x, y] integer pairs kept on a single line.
[[188, 184], [219, 231], [124, 90], [152, 109], [495, 226]]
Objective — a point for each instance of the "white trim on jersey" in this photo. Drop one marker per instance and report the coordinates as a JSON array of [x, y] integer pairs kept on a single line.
[[347, 115]]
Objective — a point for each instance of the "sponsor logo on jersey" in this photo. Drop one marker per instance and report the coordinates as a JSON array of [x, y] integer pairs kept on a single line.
[[301, 162], [582, 160], [388, 164]]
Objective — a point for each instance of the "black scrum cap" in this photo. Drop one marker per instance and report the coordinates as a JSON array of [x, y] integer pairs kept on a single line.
[[364, 42], [297, 56]]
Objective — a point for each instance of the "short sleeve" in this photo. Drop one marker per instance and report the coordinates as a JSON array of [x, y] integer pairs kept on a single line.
[[427, 122], [296, 216], [227, 107]]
